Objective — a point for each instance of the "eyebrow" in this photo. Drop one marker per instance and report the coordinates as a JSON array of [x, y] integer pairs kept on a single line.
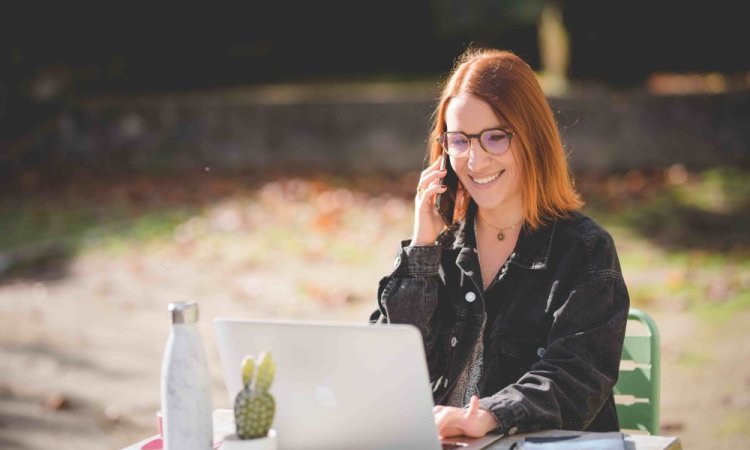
[[501, 127]]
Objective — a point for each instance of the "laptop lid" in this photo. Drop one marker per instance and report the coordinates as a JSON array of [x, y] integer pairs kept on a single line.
[[337, 386]]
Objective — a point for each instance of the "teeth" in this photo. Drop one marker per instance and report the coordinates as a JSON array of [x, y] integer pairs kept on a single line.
[[486, 179]]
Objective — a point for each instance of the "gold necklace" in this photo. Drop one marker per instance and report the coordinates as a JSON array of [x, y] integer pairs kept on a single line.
[[500, 231]]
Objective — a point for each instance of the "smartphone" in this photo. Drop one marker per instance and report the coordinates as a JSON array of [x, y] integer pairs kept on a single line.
[[446, 201]]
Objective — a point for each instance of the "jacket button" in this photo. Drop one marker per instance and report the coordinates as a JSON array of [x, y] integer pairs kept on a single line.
[[512, 431], [454, 341], [540, 352], [437, 384], [470, 297]]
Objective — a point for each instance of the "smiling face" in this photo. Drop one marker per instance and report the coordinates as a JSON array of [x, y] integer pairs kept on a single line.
[[493, 181]]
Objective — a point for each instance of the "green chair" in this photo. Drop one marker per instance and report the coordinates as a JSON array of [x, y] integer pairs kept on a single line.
[[637, 388]]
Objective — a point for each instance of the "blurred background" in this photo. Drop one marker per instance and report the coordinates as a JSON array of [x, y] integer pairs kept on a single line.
[[261, 159]]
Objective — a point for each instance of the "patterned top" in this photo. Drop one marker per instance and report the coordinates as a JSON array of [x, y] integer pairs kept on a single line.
[[468, 382]]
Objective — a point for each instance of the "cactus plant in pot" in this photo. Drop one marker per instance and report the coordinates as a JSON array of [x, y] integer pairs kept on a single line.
[[254, 407]]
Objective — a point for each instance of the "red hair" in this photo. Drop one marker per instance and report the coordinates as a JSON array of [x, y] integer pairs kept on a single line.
[[507, 83]]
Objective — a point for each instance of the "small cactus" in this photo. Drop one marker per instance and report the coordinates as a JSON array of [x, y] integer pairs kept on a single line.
[[254, 407]]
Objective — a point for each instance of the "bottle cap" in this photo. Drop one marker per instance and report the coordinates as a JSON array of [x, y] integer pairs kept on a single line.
[[184, 312]]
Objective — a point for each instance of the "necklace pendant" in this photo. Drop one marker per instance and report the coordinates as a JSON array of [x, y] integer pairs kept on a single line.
[[500, 236]]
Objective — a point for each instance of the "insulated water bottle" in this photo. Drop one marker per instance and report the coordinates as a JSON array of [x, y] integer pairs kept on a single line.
[[185, 384]]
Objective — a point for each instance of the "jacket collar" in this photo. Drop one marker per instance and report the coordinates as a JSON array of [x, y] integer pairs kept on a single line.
[[532, 249]]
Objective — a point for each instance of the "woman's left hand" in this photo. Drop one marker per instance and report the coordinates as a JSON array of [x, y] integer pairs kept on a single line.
[[471, 421]]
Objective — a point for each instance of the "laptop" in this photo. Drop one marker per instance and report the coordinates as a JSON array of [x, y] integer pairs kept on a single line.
[[341, 386]]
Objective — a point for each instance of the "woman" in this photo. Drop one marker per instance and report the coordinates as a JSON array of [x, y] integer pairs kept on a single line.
[[520, 298]]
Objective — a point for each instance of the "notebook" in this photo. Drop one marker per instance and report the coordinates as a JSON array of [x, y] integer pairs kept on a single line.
[[613, 440], [341, 386]]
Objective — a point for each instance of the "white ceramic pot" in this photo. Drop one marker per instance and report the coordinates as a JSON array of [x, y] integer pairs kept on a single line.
[[232, 442]]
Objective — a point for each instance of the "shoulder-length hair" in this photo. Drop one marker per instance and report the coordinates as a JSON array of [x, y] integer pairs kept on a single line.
[[507, 83]]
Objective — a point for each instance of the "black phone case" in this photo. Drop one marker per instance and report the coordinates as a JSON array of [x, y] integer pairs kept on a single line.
[[446, 202]]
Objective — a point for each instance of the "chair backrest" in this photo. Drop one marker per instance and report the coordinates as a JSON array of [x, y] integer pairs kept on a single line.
[[637, 388]]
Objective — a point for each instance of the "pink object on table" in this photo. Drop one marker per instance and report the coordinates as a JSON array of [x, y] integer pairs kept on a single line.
[[153, 444]]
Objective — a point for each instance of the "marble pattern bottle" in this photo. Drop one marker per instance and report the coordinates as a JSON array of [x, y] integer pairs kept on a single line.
[[186, 384]]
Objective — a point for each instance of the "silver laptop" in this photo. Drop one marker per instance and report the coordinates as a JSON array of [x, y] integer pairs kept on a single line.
[[341, 386]]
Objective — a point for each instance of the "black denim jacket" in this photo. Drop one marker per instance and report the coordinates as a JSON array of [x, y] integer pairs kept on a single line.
[[551, 356]]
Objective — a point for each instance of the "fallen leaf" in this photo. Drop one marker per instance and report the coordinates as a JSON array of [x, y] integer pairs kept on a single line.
[[56, 402], [670, 426]]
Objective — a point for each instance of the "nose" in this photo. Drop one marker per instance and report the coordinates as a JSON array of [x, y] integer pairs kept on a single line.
[[478, 158]]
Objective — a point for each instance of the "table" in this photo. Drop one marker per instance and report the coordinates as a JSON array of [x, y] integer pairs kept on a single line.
[[224, 424]]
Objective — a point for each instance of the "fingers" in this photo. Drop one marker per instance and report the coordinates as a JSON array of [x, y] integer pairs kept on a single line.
[[431, 169], [426, 199], [427, 220], [451, 421], [434, 189], [442, 422], [473, 406], [448, 421], [429, 179]]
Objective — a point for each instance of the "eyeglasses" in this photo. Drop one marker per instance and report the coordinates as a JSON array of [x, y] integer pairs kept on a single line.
[[494, 141]]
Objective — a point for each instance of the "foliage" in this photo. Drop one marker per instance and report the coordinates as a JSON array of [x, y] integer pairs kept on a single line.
[[681, 235]]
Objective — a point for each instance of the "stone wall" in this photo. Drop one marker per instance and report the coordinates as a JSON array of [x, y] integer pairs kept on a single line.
[[380, 127]]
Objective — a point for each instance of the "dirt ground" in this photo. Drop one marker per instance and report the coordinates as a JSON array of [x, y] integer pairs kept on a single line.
[[80, 352]]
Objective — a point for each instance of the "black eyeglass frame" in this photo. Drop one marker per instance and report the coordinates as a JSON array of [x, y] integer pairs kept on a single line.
[[441, 140]]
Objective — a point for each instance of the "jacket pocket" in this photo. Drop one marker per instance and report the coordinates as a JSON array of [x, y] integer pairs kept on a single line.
[[523, 342], [516, 349]]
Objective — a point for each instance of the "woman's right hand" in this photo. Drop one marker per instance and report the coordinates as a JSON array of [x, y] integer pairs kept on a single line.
[[427, 222]]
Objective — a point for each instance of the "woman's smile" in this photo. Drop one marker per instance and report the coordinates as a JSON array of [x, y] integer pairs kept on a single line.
[[485, 181]]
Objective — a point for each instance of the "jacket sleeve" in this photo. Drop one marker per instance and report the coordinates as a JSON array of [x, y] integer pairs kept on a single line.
[[409, 294], [574, 378]]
